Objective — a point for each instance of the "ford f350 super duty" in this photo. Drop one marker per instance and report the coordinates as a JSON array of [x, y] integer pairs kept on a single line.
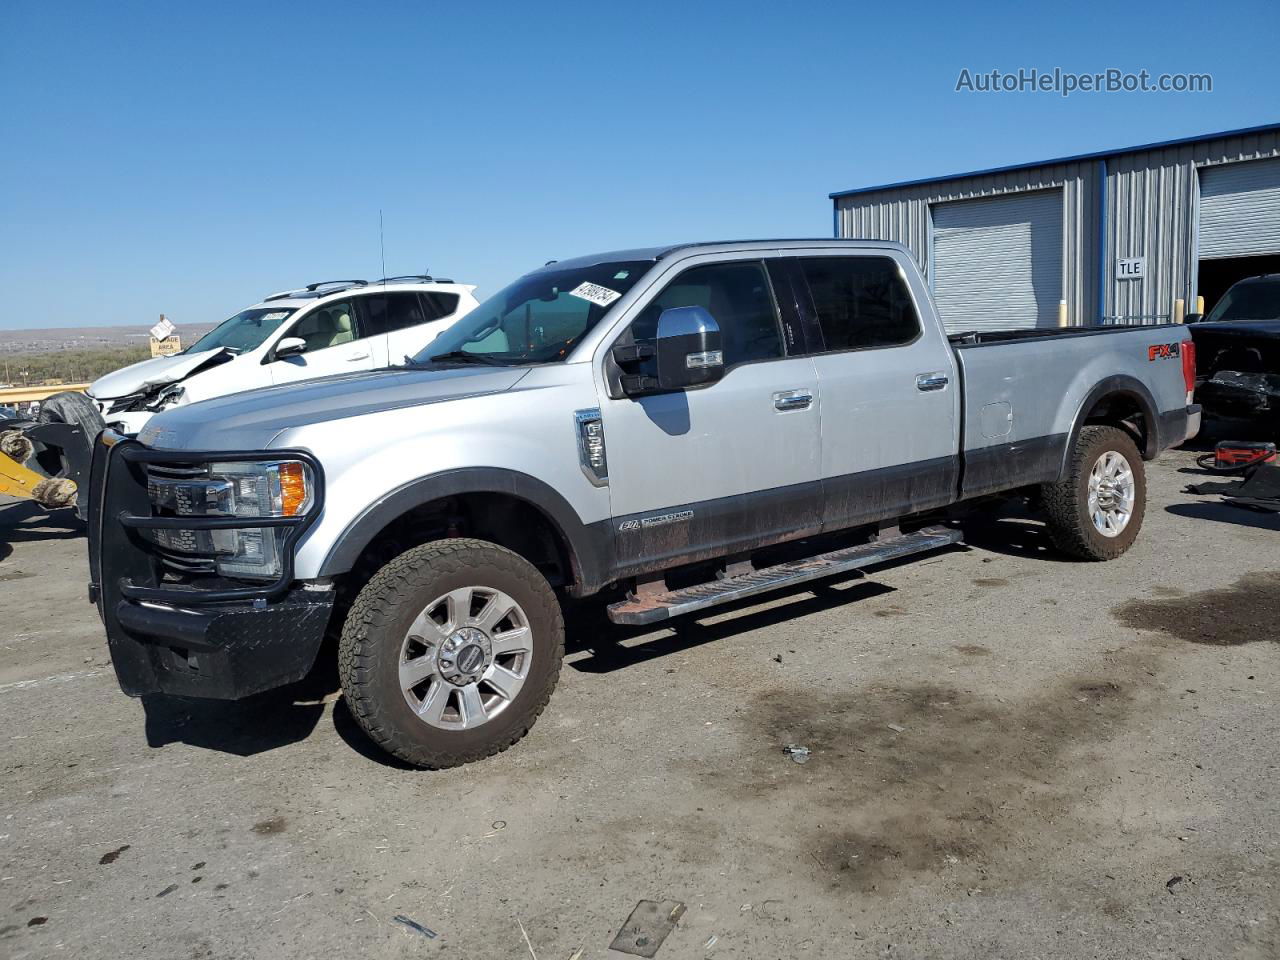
[[672, 428]]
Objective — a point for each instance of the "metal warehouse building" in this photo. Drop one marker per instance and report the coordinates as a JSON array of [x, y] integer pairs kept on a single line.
[[1124, 236]]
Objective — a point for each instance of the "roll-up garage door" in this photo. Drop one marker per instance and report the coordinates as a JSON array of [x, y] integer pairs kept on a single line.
[[997, 262], [1240, 209]]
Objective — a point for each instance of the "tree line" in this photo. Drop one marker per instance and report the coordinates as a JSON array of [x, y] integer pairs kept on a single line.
[[70, 366]]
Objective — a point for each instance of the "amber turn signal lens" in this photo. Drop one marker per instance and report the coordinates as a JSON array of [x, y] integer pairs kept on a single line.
[[293, 488]]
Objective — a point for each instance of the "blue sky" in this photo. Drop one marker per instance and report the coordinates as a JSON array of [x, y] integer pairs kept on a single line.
[[189, 158]]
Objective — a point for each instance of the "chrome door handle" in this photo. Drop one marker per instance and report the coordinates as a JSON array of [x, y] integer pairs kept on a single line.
[[792, 400], [359, 356], [931, 381]]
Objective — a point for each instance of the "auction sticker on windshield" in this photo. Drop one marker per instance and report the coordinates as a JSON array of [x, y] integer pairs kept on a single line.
[[600, 296], [276, 316]]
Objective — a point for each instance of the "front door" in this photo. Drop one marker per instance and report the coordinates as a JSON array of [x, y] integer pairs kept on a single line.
[[334, 345], [706, 472]]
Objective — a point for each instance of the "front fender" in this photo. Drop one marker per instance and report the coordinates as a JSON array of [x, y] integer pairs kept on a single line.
[[590, 547], [521, 442]]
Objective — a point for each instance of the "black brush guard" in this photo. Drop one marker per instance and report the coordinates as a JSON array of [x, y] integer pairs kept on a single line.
[[207, 637]]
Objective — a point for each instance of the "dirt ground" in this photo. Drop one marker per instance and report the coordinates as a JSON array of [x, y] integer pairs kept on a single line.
[[1012, 756]]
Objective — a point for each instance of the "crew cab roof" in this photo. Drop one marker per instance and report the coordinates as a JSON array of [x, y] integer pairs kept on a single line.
[[711, 246]]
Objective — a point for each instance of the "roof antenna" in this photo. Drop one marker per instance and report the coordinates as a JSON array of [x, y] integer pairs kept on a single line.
[[383, 246]]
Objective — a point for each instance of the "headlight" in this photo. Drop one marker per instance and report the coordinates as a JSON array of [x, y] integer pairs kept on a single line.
[[247, 488], [265, 488]]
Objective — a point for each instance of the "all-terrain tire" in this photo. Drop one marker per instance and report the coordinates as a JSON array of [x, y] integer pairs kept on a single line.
[[373, 635], [1066, 504], [71, 407], [77, 410]]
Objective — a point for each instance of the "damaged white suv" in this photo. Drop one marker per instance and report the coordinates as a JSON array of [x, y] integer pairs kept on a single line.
[[322, 329]]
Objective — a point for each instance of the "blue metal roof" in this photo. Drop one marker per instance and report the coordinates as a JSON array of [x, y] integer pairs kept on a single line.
[[1097, 155]]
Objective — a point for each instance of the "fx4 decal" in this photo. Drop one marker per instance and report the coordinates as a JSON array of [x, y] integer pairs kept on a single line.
[[1163, 351], [644, 523]]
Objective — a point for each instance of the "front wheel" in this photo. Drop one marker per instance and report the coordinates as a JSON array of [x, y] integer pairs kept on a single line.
[[1095, 513], [451, 652]]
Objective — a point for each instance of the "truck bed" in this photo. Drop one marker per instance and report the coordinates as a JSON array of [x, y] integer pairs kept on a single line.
[[1024, 392]]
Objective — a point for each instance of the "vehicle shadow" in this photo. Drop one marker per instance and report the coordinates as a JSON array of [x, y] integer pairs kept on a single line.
[[1220, 512], [240, 727], [346, 727], [244, 728], [588, 629], [1013, 535]]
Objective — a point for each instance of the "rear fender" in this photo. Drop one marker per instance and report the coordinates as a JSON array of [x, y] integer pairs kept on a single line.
[[1129, 388]]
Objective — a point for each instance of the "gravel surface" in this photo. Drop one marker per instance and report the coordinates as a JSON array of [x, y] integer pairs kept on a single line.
[[1011, 755]]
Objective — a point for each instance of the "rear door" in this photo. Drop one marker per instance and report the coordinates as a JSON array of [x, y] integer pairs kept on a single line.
[[710, 471], [335, 344], [400, 323], [890, 420]]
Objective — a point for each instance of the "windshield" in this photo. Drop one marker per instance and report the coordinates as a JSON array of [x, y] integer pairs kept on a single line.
[[1250, 300], [537, 319], [246, 330]]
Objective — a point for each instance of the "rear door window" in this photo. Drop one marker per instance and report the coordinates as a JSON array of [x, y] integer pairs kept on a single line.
[[387, 312], [439, 305], [861, 302]]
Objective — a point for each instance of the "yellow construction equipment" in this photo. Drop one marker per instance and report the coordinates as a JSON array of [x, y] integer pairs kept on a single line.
[[59, 446], [17, 480]]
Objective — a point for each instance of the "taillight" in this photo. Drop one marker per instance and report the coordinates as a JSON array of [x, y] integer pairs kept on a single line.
[[1188, 351]]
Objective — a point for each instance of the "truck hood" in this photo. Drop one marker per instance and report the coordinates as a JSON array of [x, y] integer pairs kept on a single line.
[[250, 420], [156, 372]]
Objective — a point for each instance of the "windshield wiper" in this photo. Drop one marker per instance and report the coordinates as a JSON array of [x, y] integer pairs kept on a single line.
[[462, 356]]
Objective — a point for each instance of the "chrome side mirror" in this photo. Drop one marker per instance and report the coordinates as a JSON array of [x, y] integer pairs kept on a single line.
[[689, 349]]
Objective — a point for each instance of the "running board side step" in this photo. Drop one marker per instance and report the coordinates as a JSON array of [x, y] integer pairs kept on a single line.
[[652, 608]]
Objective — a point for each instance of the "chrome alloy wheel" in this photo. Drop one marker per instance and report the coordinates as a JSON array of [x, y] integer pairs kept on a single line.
[[1111, 494], [465, 657]]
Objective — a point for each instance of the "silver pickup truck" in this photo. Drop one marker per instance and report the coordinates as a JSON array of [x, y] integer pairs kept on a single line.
[[673, 428]]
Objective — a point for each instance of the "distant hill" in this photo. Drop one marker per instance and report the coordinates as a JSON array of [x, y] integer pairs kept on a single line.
[[53, 339]]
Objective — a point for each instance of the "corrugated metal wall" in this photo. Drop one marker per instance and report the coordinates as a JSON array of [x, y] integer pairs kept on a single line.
[[903, 215], [1153, 201], [1152, 204]]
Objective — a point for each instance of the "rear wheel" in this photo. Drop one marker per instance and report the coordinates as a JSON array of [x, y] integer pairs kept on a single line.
[[1095, 513], [451, 652]]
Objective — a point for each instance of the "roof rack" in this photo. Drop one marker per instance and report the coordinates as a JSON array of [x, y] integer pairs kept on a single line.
[[420, 277], [313, 290], [282, 295], [313, 287]]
